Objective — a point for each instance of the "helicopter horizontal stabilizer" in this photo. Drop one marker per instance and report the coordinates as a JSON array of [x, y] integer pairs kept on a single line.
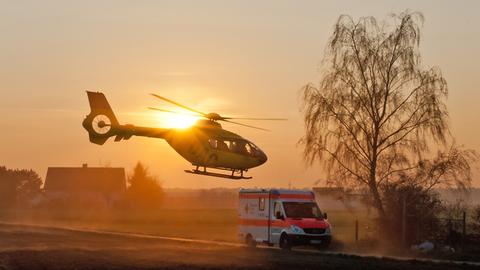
[[229, 176]]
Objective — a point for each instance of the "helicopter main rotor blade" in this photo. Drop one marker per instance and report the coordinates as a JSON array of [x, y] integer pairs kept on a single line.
[[168, 111], [244, 125], [178, 104], [249, 118]]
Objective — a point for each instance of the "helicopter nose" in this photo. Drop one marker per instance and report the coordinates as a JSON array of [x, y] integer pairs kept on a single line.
[[262, 157]]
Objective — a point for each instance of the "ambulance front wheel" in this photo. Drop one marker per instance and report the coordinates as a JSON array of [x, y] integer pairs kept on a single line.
[[285, 242], [250, 242]]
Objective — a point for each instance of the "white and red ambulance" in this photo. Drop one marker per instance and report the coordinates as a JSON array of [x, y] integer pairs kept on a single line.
[[283, 217]]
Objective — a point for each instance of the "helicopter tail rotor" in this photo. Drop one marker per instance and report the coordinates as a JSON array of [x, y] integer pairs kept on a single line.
[[101, 121]]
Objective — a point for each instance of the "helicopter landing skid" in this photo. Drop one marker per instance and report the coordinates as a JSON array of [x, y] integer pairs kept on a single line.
[[229, 176]]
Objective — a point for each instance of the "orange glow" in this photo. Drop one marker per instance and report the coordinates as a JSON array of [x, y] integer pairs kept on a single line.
[[180, 121]]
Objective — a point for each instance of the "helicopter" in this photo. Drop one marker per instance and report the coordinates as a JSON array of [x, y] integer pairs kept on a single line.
[[205, 144]]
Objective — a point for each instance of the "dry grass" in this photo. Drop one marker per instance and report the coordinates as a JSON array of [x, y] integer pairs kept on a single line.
[[211, 224]]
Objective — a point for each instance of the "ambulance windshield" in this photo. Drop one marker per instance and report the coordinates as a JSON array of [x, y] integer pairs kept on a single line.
[[301, 210]]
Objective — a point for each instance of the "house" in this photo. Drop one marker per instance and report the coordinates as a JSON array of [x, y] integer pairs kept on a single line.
[[93, 184]]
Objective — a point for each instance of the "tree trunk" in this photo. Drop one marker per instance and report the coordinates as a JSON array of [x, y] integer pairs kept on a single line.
[[377, 201]]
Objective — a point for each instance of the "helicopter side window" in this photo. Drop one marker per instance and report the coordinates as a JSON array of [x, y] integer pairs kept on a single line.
[[219, 144], [213, 143], [223, 145], [241, 148], [233, 146]]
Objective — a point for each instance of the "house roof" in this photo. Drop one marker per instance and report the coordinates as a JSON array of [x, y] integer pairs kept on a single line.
[[85, 179]]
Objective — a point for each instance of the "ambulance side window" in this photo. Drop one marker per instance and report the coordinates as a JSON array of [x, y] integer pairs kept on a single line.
[[261, 204]]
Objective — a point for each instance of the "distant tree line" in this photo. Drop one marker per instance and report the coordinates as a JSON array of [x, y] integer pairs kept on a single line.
[[18, 186]]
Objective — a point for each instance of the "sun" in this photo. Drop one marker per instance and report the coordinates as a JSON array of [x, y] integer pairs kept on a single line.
[[180, 121]]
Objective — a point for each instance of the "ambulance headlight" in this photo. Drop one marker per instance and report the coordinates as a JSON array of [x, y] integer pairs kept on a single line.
[[296, 229]]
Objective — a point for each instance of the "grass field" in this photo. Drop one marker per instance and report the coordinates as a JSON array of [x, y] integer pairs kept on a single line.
[[211, 224], [30, 247]]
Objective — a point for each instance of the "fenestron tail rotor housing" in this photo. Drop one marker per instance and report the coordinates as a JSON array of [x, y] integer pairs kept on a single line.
[[101, 124]]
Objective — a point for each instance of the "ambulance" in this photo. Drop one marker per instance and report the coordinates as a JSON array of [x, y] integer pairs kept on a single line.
[[281, 217]]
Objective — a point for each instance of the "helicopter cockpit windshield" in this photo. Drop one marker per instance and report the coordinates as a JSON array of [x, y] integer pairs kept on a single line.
[[242, 147]]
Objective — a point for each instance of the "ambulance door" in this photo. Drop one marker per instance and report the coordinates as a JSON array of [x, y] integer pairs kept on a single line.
[[277, 217], [253, 212], [262, 217]]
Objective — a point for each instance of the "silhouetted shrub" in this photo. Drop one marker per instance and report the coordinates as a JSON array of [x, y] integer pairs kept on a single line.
[[423, 210], [476, 219], [18, 187], [144, 191]]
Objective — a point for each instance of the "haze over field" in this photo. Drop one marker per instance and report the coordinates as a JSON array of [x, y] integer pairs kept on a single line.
[[237, 58]]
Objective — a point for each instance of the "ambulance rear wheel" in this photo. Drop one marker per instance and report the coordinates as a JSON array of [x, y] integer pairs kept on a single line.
[[285, 242], [250, 242]]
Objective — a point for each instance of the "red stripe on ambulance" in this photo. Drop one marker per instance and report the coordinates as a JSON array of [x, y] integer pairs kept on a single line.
[[263, 222]]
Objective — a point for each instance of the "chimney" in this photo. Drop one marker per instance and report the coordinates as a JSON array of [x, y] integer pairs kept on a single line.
[[84, 165]]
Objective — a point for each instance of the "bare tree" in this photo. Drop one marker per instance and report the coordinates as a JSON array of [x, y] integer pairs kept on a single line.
[[377, 111]]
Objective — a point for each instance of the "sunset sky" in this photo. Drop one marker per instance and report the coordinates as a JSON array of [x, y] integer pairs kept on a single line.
[[243, 58]]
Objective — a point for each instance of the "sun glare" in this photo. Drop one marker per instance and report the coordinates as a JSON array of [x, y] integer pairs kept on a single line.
[[178, 121]]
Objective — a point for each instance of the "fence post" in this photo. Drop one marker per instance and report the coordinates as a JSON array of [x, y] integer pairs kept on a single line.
[[404, 221], [356, 231], [464, 229]]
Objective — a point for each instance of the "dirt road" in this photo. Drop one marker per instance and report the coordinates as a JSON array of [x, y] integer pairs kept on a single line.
[[31, 247]]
